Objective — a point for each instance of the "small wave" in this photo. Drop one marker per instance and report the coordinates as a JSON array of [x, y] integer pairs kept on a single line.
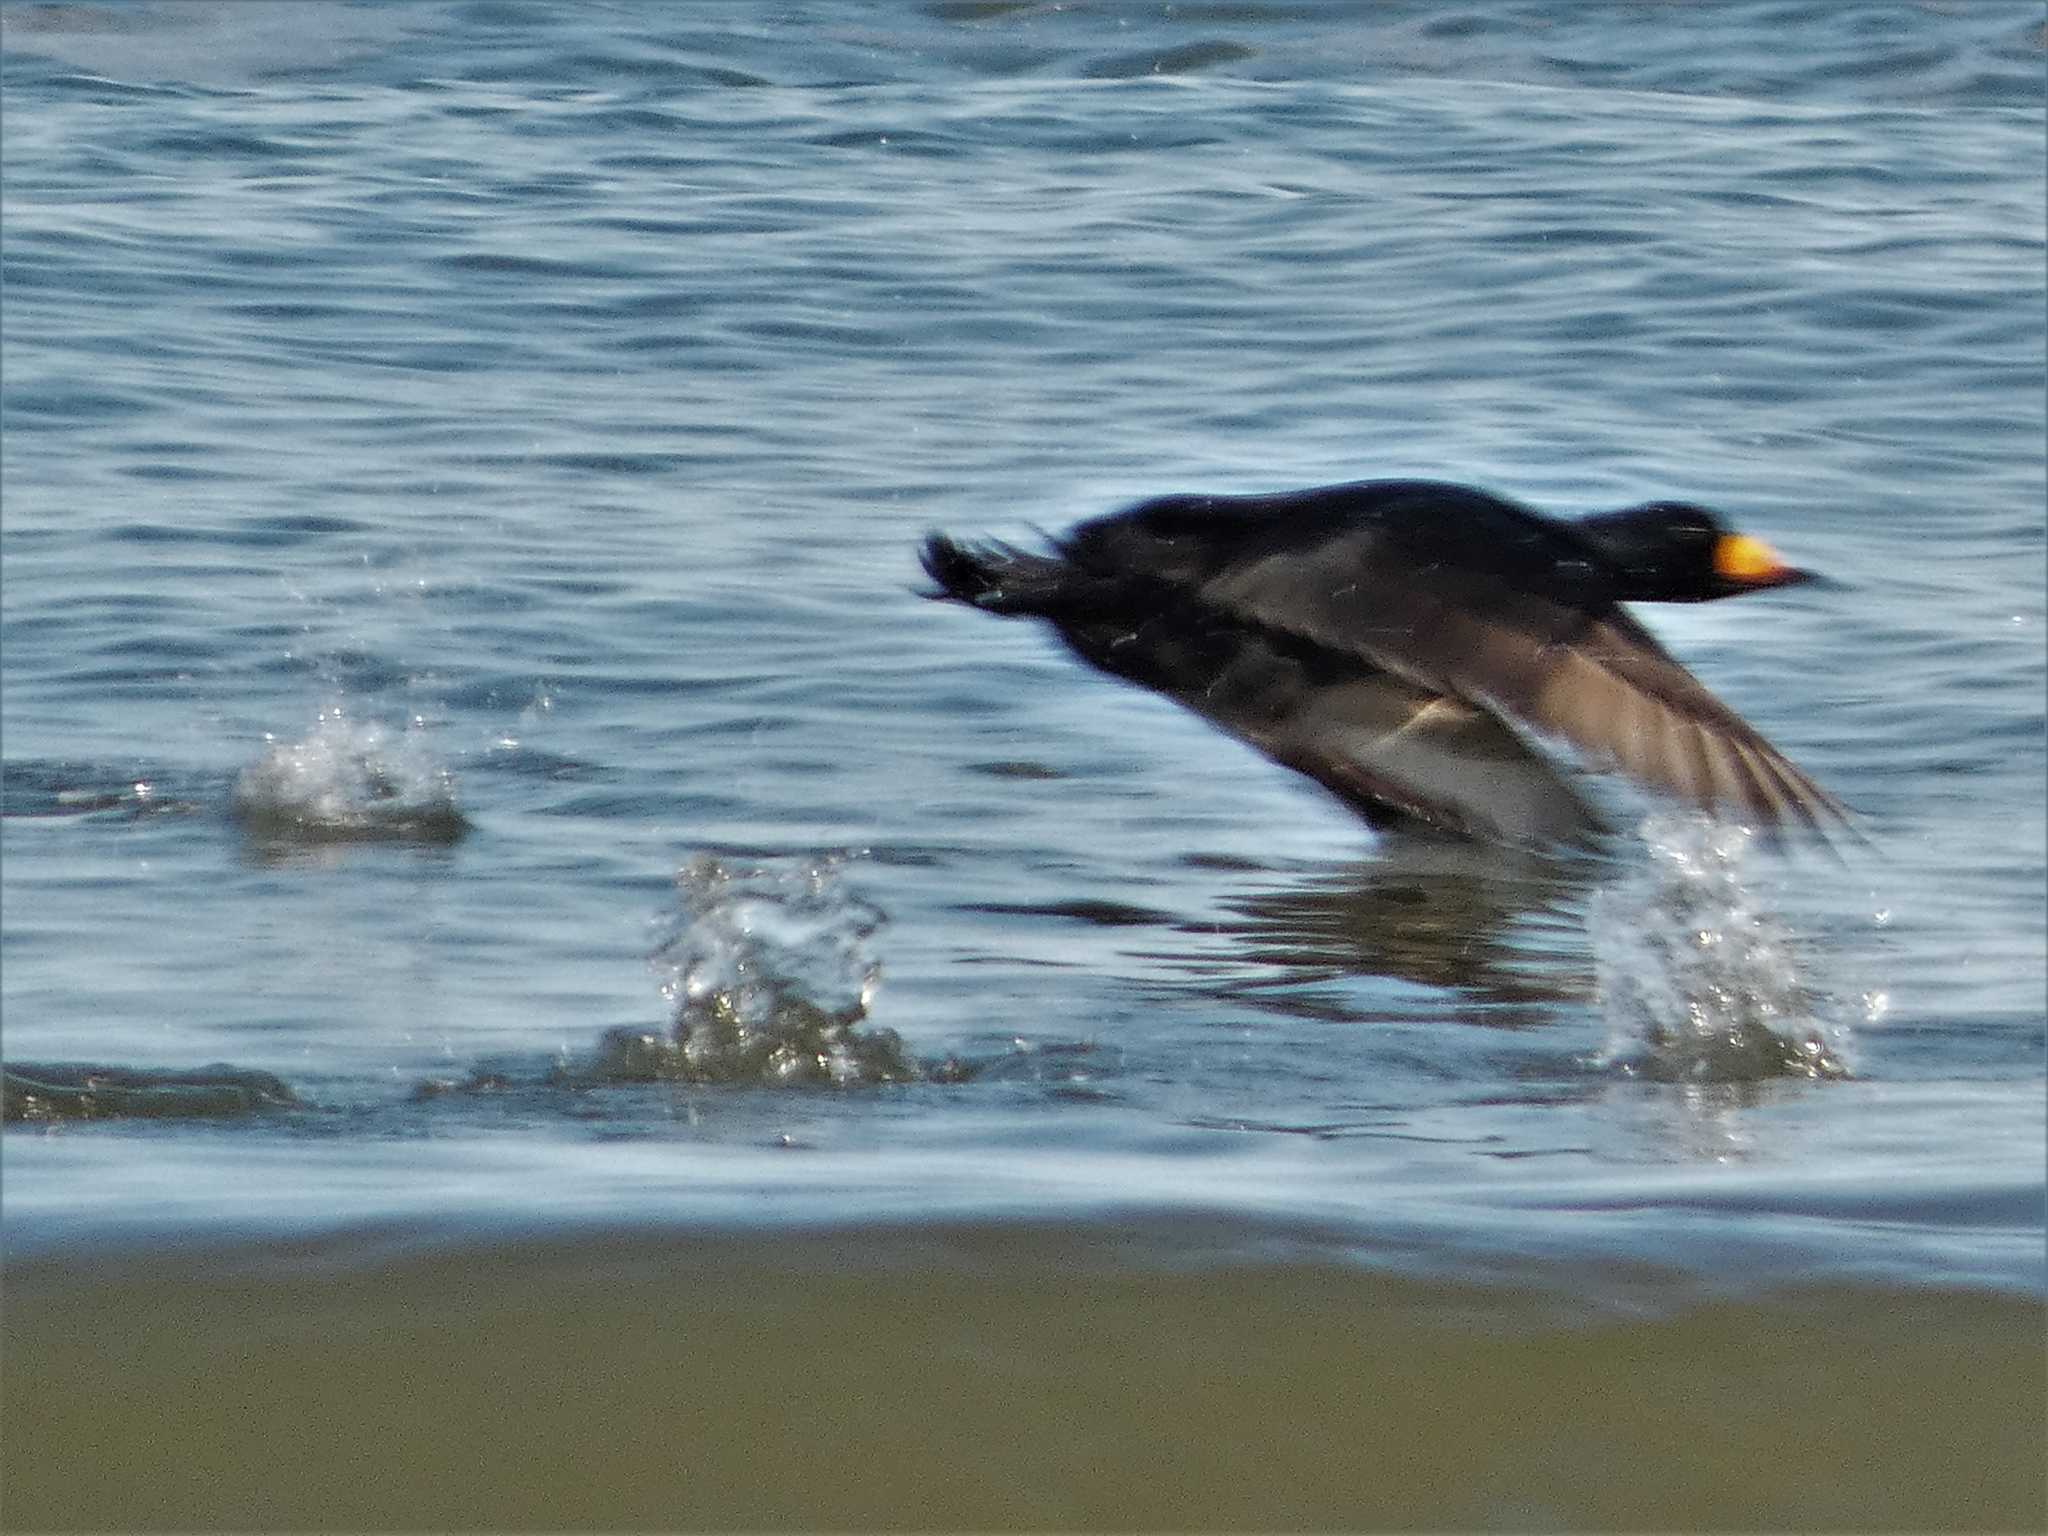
[[1698, 983], [350, 781], [53, 1091], [56, 791]]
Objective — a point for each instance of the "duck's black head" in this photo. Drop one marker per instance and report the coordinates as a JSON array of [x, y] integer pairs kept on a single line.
[[1673, 552]]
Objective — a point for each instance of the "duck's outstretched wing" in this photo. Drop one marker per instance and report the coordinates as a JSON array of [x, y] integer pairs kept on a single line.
[[1587, 673]]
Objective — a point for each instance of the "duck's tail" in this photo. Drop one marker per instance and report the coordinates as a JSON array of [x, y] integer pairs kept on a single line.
[[996, 578]]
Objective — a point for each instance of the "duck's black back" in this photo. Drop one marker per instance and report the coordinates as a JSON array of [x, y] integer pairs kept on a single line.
[[1331, 534]]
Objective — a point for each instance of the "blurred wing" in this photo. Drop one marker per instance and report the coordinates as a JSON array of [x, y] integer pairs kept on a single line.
[[1617, 694], [1599, 681]]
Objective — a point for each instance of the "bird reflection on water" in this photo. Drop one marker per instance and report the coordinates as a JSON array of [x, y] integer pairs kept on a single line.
[[1498, 927]]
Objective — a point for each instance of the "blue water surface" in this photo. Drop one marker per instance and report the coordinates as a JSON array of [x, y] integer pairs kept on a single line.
[[464, 669]]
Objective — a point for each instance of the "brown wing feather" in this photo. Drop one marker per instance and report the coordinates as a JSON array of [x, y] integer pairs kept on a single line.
[[1600, 681], [1608, 694]]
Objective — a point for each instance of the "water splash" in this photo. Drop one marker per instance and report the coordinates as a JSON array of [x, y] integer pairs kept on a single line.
[[1700, 984], [768, 970], [350, 781]]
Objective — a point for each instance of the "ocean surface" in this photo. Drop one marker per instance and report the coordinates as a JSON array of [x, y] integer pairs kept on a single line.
[[544, 984]]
